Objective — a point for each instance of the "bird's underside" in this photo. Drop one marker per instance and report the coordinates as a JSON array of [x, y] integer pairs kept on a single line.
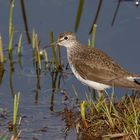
[[98, 67]]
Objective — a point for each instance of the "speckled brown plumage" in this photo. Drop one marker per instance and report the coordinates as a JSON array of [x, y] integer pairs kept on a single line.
[[94, 65]]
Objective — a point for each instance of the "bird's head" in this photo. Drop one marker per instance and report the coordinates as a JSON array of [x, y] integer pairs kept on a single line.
[[67, 39]]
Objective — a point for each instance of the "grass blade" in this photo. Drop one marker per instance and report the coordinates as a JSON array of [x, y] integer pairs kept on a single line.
[[79, 13]]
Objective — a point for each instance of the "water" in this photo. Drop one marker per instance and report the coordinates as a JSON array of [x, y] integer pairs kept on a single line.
[[39, 106]]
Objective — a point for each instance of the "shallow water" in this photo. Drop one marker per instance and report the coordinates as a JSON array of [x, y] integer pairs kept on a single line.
[[40, 105]]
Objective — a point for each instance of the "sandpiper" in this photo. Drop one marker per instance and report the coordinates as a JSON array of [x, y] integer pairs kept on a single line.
[[93, 67]]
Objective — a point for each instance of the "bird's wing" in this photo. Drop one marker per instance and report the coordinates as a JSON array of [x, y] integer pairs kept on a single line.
[[89, 71], [93, 73]]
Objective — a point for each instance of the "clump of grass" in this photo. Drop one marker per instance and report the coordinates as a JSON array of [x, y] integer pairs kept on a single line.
[[110, 119]]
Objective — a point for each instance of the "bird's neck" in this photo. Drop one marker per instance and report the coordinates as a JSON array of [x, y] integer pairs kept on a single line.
[[73, 51], [74, 46]]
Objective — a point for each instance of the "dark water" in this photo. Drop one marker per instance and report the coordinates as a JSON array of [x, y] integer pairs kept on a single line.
[[38, 107]]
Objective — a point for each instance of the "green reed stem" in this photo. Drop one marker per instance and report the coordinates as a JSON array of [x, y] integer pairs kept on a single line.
[[10, 42], [11, 26], [53, 50], [83, 110], [79, 13], [45, 56], [93, 35], [38, 59], [89, 42], [16, 105], [1, 51], [19, 45], [11, 17], [33, 39]]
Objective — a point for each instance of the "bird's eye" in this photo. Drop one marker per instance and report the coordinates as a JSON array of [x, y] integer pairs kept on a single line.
[[65, 37]]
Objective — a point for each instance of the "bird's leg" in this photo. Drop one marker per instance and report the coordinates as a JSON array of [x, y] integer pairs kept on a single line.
[[100, 94]]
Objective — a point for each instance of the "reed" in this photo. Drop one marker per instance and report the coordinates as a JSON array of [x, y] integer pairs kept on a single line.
[[79, 13], [11, 17], [10, 44], [33, 39], [93, 35], [19, 45], [15, 108], [1, 51], [11, 26], [46, 58], [37, 51], [83, 106], [91, 41], [53, 50]]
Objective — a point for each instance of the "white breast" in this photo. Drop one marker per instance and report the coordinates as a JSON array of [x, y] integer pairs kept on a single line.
[[95, 85]]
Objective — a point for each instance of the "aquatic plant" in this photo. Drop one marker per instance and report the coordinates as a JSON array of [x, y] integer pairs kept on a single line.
[[19, 45], [15, 108], [1, 51], [11, 30]]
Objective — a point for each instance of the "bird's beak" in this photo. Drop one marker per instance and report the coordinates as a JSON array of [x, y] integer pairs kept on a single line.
[[47, 46]]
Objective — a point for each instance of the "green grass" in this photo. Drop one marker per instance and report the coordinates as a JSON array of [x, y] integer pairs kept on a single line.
[[113, 119]]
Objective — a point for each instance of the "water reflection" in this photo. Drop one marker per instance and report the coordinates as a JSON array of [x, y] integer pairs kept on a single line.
[[56, 78], [38, 86], [1, 72], [11, 68]]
